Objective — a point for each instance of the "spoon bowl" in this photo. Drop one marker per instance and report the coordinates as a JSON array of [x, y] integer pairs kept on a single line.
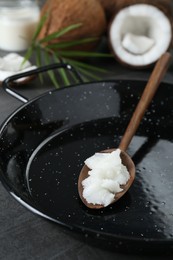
[[146, 98], [127, 161]]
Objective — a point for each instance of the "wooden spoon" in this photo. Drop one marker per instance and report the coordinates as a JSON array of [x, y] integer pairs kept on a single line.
[[146, 98]]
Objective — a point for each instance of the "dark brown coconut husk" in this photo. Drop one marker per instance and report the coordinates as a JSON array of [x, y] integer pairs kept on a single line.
[[113, 6], [64, 13]]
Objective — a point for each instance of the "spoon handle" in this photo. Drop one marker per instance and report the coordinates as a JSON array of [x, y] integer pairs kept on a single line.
[[149, 91]]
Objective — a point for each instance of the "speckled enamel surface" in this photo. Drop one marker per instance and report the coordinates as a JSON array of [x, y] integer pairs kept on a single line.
[[43, 146]]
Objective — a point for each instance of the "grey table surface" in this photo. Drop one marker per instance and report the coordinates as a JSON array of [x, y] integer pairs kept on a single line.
[[24, 235]]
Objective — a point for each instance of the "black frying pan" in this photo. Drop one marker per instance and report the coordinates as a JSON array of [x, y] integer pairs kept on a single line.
[[44, 143]]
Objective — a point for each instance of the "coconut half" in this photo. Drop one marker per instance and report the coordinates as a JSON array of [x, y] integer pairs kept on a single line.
[[140, 34]]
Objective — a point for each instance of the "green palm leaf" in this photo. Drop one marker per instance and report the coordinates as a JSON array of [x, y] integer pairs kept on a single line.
[[50, 72], [67, 44], [61, 32], [63, 73], [83, 54], [39, 27], [56, 51], [86, 66]]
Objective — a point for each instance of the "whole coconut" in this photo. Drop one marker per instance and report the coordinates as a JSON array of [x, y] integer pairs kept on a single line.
[[63, 13]]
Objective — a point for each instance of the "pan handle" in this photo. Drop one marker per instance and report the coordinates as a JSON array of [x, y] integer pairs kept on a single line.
[[14, 93]]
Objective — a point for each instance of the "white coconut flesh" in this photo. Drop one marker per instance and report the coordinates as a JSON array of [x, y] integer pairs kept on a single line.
[[140, 34], [12, 64]]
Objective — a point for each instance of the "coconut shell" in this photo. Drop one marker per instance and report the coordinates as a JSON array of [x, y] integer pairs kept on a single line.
[[113, 6], [110, 7], [61, 14], [26, 80]]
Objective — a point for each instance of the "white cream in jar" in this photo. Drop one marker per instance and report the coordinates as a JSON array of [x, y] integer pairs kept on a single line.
[[106, 175], [18, 21]]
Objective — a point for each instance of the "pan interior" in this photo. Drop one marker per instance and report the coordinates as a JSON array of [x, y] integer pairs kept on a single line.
[[79, 122]]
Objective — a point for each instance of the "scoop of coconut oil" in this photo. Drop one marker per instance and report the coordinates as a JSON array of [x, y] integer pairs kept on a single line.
[[12, 64], [105, 177]]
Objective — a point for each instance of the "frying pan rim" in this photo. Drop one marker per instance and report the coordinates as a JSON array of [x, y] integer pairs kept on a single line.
[[25, 203]]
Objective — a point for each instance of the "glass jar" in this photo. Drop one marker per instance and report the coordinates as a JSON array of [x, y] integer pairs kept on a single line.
[[18, 21]]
